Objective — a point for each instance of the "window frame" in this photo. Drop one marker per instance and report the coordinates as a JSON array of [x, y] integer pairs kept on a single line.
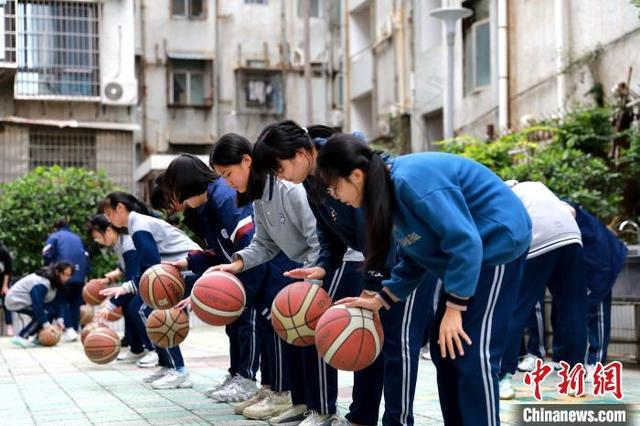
[[207, 80], [187, 7], [473, 40]]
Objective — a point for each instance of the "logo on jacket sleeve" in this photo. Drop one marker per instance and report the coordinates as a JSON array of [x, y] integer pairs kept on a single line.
[[409, 239], [334, 215]]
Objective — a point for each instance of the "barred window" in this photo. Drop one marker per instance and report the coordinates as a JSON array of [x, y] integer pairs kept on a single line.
[[57, 49], [62, 148]]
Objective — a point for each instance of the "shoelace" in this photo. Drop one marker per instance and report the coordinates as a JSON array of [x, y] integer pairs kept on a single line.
[[311, 415]]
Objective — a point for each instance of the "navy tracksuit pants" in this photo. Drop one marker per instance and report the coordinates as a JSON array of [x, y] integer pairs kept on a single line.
[[468, 385], [562, 271], [34, 326], [134, 325], [71, 300], [535, 344]]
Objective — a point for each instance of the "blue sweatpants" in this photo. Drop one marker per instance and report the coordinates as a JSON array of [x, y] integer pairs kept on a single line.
[[468, 385], [562, 271], [404, 327], [599, 328], [535, 329], [134, 325], [34, 326], [71, 300], [315, 383]]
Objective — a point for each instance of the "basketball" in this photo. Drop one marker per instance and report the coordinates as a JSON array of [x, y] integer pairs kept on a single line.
[[162, 286], [86, 314], [91, 293], [49, 336], [349, 338], [296, 310], [218, 298], [102, 345], [88, 329], [114, 314], [168, 327]]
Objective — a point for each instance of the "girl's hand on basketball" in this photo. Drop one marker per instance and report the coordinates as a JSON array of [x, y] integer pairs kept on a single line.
[[180, 264], [315, 273], [233, 267], [114, 292], [184, 304], [450, 333], [98, 281], [101, 315], [370, 303]]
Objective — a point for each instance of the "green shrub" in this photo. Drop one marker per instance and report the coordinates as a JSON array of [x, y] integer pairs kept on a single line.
[[30, 205]]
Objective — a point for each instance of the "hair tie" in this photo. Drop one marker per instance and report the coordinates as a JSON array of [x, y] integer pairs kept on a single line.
[[305, 129]]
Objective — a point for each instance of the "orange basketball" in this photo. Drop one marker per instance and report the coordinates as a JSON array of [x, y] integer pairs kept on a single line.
[[49, 336], [218, 298], [91, 293], [114, 314], [167, 327], [102, 345], [86, 314], [161, 286], [88, 329], [296, 310], [349, 338]]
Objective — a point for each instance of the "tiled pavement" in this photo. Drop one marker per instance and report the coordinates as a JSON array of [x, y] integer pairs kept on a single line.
[[60, 386]]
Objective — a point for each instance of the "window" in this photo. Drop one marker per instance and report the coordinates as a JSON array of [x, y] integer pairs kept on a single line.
[[57, 49], [191, 9], [63, 148], [477, 46], [314, 8], [263, 2], [7, 31], [260, 91], [189, 83]]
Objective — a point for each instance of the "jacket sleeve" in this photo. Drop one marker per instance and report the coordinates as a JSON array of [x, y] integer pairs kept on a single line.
[[296, 201], [459, 239], [131, 264], [237, 221], [148, 254], [50, 250], [405, 276], [38, 293], [261, 249], [199, 261], [332, 248]]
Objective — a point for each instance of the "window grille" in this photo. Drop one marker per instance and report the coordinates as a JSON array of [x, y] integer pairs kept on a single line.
[[57, 49], [62, 148]]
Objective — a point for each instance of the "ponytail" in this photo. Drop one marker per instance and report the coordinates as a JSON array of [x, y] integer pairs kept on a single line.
[[131, 203], [337, 159]]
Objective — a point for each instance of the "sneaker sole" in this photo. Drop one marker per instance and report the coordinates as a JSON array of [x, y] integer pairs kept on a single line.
[[508, 397], [146, 365], [267, 416]]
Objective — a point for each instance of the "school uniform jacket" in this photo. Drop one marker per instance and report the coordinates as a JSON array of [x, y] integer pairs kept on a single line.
[[64, 245], [451, 216], [32, 292]]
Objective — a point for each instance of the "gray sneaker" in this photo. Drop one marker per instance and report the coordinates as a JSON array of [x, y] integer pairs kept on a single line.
[[291, 417], [272, 405], [227, 379], [173, 380], [258, 397], [336, 420], [158, 374], [238, 390], [313, 418], [150, 360]]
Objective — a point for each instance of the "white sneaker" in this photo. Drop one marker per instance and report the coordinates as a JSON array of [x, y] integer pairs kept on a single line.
[[339, 421], [238, 390], [293, 416], [274, 404], [22, 342], [227, 379], [173, 380], [556, 366], [426, 353], [506, 388], [313, 418], [528, 363], [69, 335], [127, 356], [259, 396], [150, 360], [158, 374]]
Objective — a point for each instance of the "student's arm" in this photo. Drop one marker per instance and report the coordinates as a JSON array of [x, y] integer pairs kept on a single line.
[[38, 293], [148, 255], [199, 261], [131, 264], [405, 277], [261, 249], [237, 221], [50, 250], [332, 249], [447, 214], [297, 205]]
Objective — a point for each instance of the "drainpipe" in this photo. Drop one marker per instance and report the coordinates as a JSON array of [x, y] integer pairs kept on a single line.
[[346, 66], [218, 70], [503, 65], [398, 19], [560, 13], [143, 76]]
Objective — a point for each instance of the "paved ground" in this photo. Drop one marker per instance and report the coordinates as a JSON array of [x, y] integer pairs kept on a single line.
[[60, 386]]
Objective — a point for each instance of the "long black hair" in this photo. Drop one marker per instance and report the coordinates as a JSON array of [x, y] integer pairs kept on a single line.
[[129, 201], [228, 151], [337, 159], [51, 272], [188, 176]]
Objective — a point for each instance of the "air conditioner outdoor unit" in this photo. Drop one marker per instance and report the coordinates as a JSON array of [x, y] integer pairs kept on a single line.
[[119, 92]]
